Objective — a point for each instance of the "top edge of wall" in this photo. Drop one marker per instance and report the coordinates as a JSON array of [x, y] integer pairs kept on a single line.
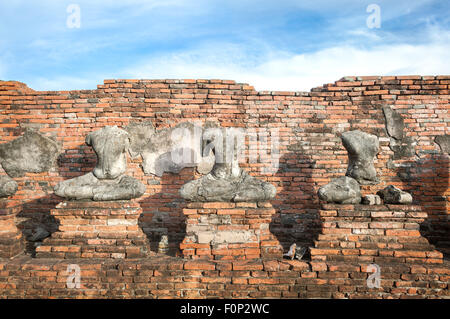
[[348, 80]]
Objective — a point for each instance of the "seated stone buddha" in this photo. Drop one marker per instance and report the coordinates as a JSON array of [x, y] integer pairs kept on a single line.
[[226, 182], [107, 181]]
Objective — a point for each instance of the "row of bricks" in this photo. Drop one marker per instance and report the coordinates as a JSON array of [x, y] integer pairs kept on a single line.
[[372, 225], [131, 234], [375, 252], [371, 245], [257, 213]]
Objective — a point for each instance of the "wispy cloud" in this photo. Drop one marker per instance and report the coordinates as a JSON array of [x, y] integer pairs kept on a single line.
[[365, 33], [280, 70]]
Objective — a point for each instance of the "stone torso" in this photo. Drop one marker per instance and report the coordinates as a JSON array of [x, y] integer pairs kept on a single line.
[[110, 144]]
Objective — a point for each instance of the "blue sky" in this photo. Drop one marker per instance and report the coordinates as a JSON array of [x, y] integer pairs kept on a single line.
[[273, 45]]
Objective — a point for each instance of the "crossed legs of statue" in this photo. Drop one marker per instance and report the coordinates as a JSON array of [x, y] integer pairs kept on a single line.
[[90, 187]]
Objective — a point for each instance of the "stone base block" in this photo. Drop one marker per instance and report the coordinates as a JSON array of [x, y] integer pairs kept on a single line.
[[229, 231], [12, 242], [378, 234], [89, 229]]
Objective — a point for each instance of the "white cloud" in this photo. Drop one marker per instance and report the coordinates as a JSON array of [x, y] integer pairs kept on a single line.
[[275, 70], [278, 70]]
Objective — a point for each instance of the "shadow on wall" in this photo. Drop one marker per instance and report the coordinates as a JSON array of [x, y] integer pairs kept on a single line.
[[36, 221], [428, 181], [76, 161], [163, 212], [297, 219], [297, 206]]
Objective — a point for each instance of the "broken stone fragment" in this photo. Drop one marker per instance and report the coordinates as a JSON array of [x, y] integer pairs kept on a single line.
[[444, 142], [371, 200], [401, 145], [31, 152], [362, 149], [342, 190], [140, 134], [405, 147], [394, 123], [168, 149], [8, 186], [394, 195]]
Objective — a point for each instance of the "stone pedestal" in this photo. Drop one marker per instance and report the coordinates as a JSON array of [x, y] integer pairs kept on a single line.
[[378, 233], [89, 229], [229, 231], [12, 242]]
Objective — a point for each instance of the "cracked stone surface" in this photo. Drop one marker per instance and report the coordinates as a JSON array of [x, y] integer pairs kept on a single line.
[[342, 190], [405, 147], [140, 134], [401, 145], [8, 186], [226, 182], [31, 152], [225, 236], [107, 181], [169, 149], [240, 188], [394, 123], [444, 143], [362, 149], [394, 195], [371, 200]]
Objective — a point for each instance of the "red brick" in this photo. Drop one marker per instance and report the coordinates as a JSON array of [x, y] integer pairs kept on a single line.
[[199, 265]]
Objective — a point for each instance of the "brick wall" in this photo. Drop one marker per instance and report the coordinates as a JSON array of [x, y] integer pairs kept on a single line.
[[229, 231], [309, 126], [172, 277], [373, 234]]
